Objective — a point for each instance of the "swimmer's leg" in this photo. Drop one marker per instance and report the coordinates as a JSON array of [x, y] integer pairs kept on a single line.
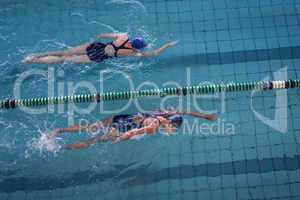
[[44, 60], [53, 57], [79, 128], [58, 59], [77, 59], [78, 50], [112, 136]]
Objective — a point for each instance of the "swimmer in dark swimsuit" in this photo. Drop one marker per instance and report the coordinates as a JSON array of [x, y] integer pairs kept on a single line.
[[122, 46], [124, 127]]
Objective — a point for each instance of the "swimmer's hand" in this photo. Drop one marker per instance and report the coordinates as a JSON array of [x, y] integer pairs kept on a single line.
[[210, 117], [99, 36], [173, 43]]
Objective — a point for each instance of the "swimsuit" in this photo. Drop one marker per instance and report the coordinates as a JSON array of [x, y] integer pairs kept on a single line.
[[96, 50], [124, 122], [120, 47]]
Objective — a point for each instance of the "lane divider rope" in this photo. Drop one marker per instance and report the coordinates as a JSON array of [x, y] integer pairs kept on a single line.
[[134, 94]]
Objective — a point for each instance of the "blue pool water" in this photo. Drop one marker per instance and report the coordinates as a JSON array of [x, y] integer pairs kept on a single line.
[[220, 41]]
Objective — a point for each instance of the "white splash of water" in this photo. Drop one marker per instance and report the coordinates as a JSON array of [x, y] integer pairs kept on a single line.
[[44, 144], [101, 25], [135, 4], [109, 27]]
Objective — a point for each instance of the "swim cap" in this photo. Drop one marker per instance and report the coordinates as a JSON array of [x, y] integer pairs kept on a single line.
[[138, 43], [176, 120]]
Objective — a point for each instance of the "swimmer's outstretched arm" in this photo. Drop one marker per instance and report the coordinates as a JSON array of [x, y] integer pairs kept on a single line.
[[126, 136], [194, 114], [200, 115], [86, 143], [135, 132], [156, 52], [110, 136], [112, 35]]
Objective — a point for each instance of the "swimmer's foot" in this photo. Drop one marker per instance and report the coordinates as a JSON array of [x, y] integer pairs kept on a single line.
[[33, 58], [30, 59], [170, 44], [54, 133]]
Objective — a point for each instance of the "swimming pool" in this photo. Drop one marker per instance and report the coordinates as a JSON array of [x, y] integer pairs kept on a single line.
[[220, 41]]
